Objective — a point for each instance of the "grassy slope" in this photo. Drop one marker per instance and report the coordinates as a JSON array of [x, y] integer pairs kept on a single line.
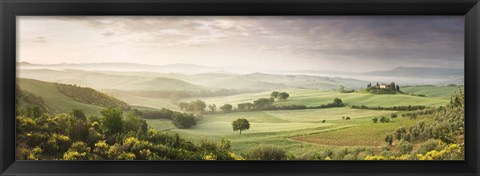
[[300, 131], [56, 101], [161, 124], [272, 81], [442, 92], [156, 103], [318, 97], [276, 127], [365, 134]]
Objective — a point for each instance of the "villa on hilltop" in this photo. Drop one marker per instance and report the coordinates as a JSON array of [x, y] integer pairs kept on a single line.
[[386, 86], [383, 87]]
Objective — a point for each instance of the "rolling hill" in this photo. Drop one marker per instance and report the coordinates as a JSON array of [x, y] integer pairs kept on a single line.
[[98, 80], [265, 81], [317, 97], [56, 99], [196, 82]]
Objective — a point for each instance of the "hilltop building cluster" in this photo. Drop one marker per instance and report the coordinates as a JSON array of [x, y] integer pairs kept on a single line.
[[383, 87]]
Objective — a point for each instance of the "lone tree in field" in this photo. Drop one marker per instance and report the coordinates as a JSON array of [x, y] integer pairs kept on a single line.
[[240, 125]]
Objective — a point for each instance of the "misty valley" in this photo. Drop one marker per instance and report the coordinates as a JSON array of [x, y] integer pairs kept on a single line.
[[124, 111]]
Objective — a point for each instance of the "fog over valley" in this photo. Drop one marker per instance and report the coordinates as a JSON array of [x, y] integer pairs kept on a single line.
[[190, 76]]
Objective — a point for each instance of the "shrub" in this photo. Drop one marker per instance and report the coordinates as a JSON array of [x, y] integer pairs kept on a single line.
[[405, 147], [31, 154], [184, 121], [327, 153], [450, 152], [267, 152], [384, 119], [375, 120], [340, 153], [78, 151], [350, 156], [389, 139], [429, 145]]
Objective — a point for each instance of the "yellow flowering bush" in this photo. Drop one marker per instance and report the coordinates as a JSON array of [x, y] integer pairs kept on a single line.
[[32, 154], [452, 151], [112, 151], [235, 156], [78, 151], [126, 156], [130, 141], [210, 156], [152, 132], [375, 157], [74, 155]]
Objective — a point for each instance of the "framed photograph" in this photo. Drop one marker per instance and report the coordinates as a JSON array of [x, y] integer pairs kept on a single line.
[[254, 87]]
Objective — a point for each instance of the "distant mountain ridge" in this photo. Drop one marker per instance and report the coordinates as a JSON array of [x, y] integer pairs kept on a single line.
[[196, 69], [419, 72], [228, 76]]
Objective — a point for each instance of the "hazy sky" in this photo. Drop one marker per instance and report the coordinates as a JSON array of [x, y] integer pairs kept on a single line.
[[344, 43]]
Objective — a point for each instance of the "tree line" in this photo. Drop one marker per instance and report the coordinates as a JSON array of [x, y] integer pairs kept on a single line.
[[90, 96], [180, 120], [391, 108], [260, 104]]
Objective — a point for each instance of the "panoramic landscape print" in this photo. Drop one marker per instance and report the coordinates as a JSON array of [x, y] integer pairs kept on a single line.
[[240, 88]]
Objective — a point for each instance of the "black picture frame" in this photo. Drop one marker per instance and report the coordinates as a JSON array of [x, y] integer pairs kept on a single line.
[[9, 9]]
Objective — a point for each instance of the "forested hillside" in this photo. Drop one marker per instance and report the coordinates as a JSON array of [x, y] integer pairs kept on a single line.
[[60, 98], [89, 96]]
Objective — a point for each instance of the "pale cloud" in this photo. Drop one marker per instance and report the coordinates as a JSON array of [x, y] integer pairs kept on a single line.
[[303, 42], [108, 33], [39, 39]]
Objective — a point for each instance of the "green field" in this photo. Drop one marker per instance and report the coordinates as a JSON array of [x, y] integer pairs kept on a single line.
[[300, 131], [317, 97], [367, 134], [161, 124], [441, 92], [156, 103], [276, 127]]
